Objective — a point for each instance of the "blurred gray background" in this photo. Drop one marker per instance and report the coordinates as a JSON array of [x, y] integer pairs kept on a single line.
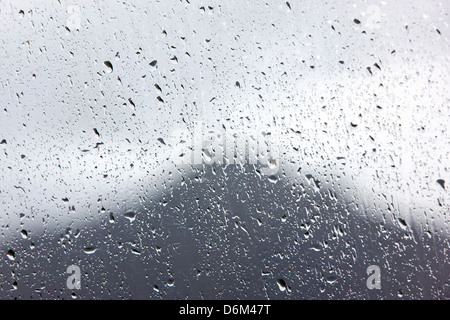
[[352, 93]]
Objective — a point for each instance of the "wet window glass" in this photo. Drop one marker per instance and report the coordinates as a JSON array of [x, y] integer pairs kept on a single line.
[[224, 149]]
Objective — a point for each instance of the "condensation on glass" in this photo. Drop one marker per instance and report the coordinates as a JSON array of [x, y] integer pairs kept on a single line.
[[224, 149]]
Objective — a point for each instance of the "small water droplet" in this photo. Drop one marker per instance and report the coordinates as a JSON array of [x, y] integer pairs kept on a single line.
[[109, 65], [281, 285], [11, 255], [24, 234], [130, 216], [90, 250]]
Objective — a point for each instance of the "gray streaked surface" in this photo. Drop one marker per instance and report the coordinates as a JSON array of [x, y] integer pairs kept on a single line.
[[362, 147]]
